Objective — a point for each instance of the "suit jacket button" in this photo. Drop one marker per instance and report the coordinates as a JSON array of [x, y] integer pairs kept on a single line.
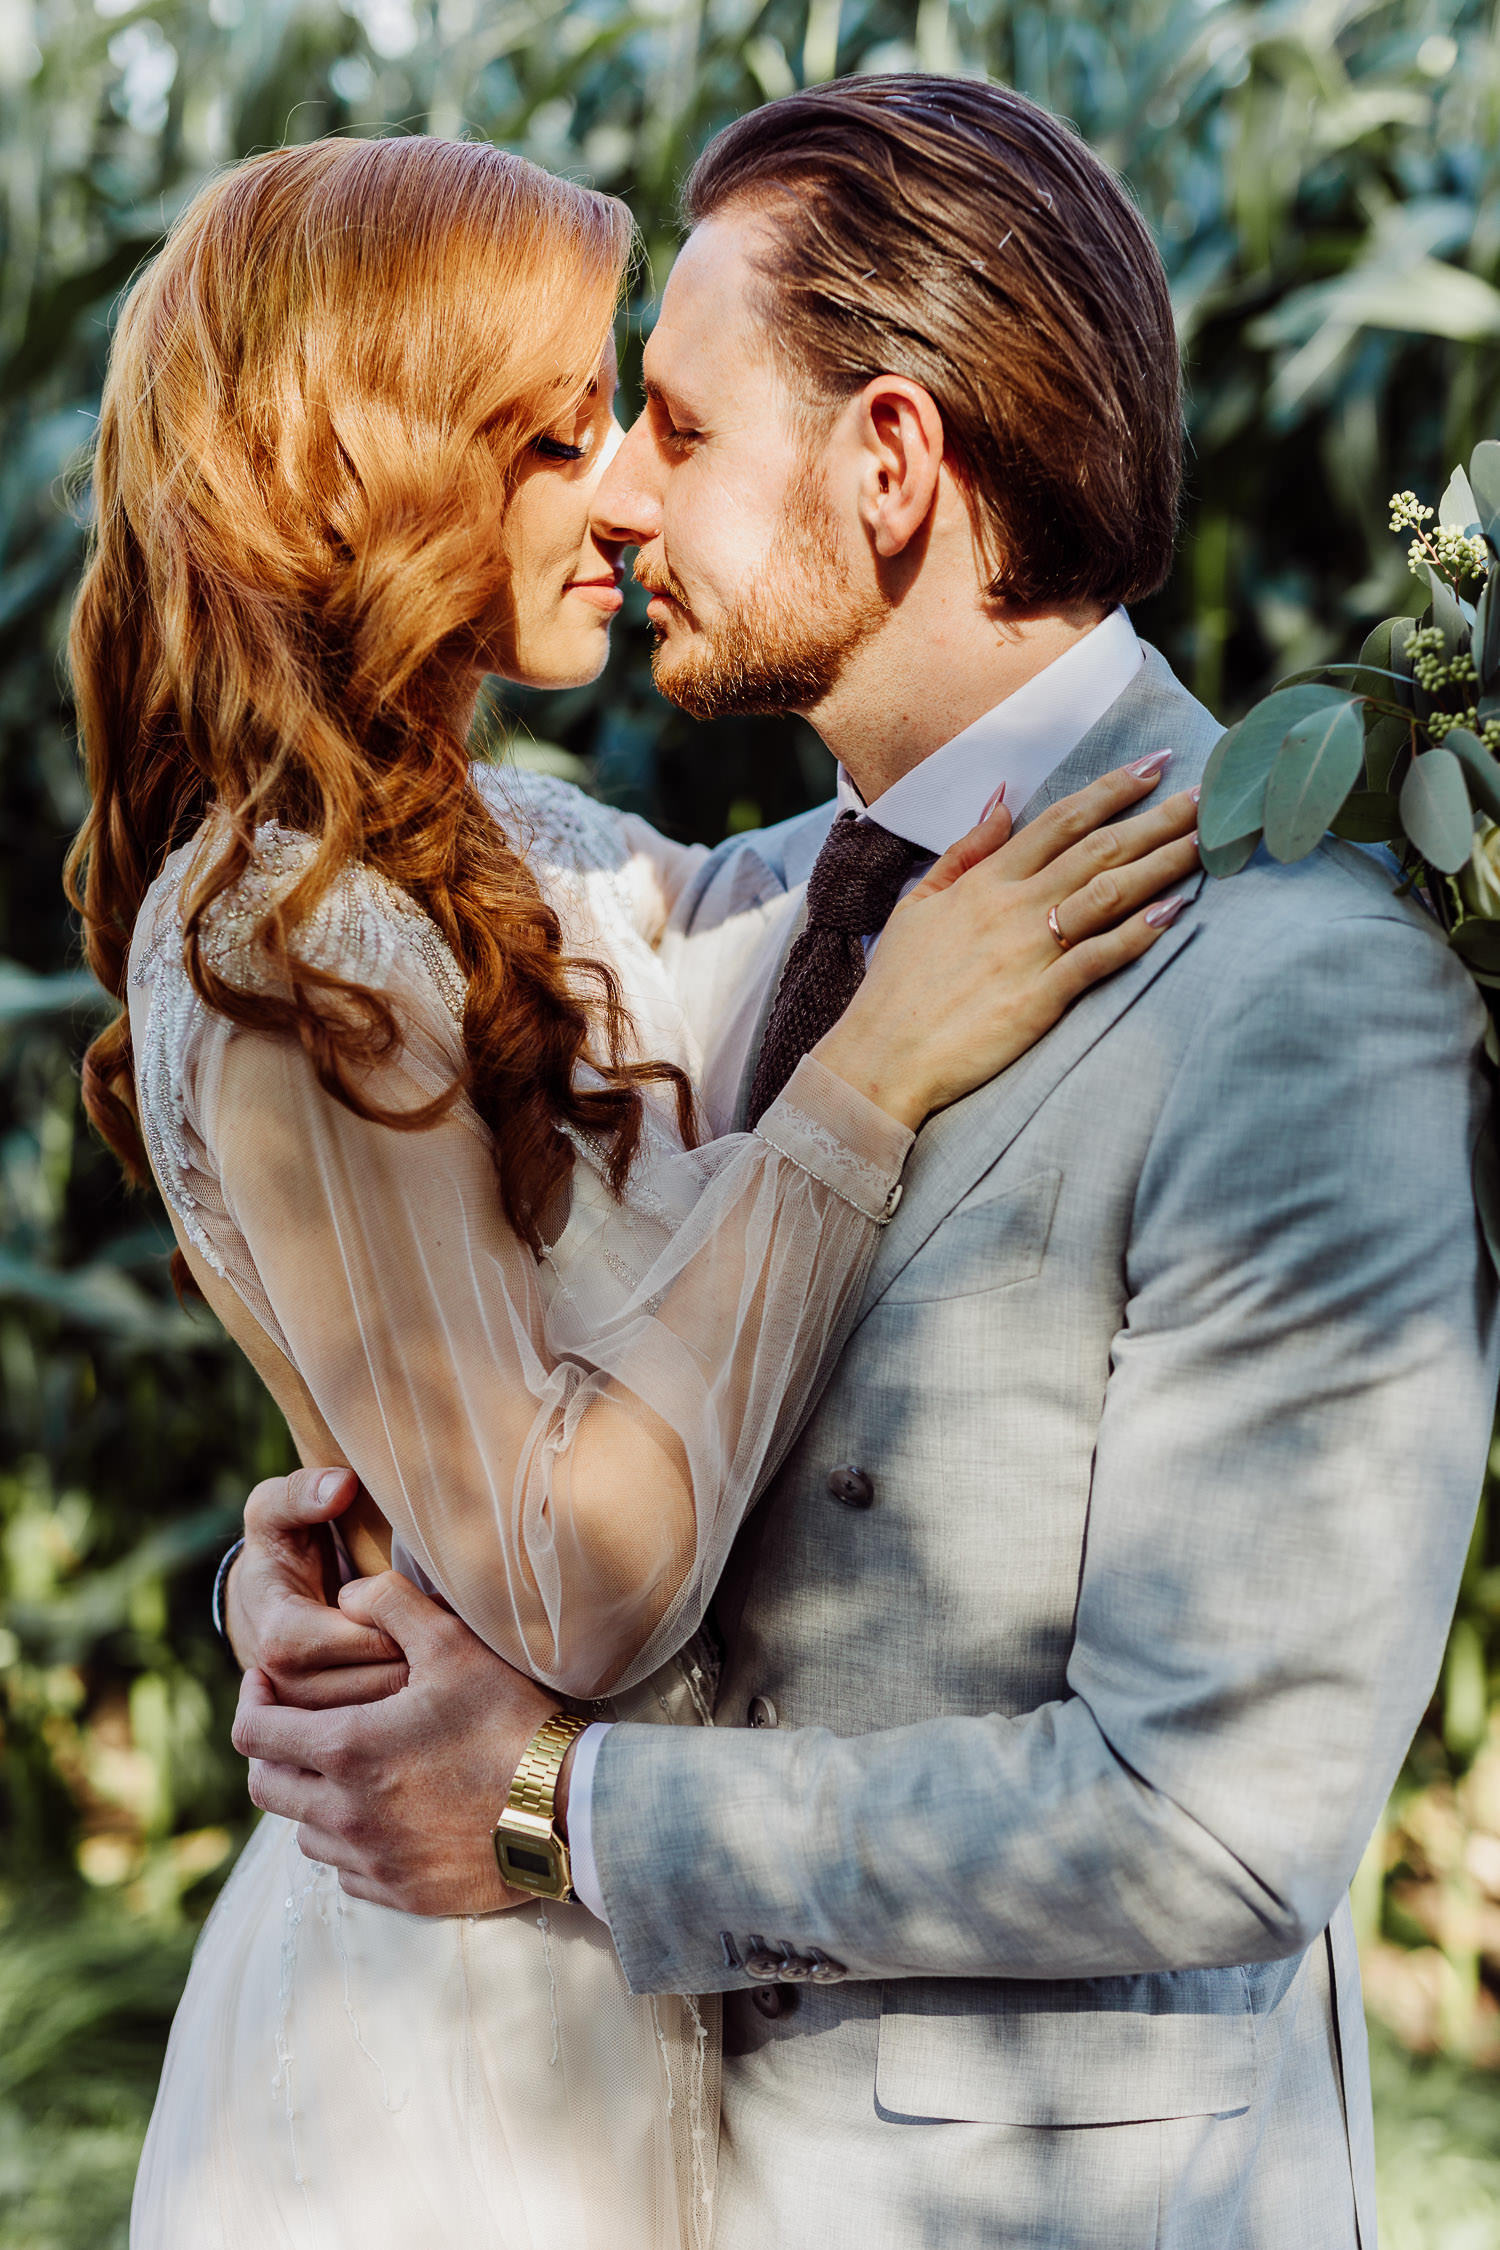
[[772, 2000], [854, 1487], [762, 1712]]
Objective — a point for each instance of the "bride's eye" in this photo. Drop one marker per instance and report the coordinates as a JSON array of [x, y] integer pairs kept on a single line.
[[553, 449]]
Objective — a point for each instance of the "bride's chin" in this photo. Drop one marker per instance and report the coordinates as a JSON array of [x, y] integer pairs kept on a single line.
[[582, 665]]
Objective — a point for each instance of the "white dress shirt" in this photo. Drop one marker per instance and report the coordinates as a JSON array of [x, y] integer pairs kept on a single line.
[[1019, 743]]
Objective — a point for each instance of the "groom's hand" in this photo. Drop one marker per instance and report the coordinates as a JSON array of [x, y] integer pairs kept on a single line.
[[276, 1609], [400, 1795]]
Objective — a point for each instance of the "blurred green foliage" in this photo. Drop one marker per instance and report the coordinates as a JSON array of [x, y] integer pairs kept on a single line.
[[1324, 179]]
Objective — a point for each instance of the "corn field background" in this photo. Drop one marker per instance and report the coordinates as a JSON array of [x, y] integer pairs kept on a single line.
[[1323, 177]]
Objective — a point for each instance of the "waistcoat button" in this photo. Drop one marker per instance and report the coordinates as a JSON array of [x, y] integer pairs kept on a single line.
[[854, 1487], [762, 1712], [772, 2001]]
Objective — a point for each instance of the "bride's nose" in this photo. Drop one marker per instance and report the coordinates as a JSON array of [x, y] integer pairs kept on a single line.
[[626, 510]]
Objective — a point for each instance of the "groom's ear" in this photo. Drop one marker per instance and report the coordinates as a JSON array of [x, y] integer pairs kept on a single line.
[[898, 433]]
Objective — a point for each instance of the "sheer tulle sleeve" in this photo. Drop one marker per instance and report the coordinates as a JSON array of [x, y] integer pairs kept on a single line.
[[567, 1450]]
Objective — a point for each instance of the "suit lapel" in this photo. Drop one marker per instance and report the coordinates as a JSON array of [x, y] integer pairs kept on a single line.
[[956, 1150], [965, 1142]]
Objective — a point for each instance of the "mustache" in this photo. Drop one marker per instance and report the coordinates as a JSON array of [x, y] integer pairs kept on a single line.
[[659, 579]]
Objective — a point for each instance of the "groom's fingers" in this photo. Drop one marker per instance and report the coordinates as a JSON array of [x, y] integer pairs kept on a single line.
[[309, 1650], [289, 1793], [281, 1506], [345, 1683], [408, 1618], [257, 1691], [312, 1741]]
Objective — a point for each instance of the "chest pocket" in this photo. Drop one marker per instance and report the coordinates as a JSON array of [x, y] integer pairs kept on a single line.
[[995, 1238]]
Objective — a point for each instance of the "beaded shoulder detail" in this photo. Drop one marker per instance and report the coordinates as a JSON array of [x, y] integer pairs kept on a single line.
[[553, 822], [364, 927]]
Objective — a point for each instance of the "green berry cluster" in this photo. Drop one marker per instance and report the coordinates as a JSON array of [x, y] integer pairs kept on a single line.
[[1441, 724], [1461, 557], [1407, 512], [1466, 561], [1434, 672], [1431, 669]]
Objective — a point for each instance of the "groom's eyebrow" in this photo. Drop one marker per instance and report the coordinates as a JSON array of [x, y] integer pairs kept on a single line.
[[662, 394]]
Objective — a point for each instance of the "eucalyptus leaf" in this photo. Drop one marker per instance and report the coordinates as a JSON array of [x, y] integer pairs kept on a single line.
[[1448, 613], [1402, 629], [1375, 661], [1484, 483], [1318, 764], [1387, 740], [1379, 677], [1480, 769], [1227, 859], [1234, 780], [1486, 648], [1478, 942], [1435, 810], [1369, 816], [1458, 510]]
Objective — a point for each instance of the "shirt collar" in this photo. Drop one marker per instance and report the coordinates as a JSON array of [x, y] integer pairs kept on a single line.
[[1019, 742]]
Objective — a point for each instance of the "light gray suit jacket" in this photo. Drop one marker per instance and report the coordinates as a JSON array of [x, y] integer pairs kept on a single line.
[[1172, 1384]]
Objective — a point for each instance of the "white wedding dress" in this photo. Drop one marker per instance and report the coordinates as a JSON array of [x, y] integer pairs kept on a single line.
[[565, 1451]]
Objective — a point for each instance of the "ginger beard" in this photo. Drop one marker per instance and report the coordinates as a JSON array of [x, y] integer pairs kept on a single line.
[[783, 641]]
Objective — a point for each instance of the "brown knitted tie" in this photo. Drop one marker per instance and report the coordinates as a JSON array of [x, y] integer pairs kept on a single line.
[[856, 880]]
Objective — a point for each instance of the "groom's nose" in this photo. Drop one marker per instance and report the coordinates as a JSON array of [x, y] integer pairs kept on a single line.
[[627, 506]]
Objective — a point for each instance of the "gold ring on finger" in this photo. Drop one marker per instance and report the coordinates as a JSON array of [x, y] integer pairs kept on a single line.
[[1052, 923]]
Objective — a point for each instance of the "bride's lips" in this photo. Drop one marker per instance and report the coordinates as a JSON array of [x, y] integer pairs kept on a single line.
[[603, 593]]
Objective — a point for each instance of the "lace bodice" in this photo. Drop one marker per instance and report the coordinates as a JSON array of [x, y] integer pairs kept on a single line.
[[566, 1450]]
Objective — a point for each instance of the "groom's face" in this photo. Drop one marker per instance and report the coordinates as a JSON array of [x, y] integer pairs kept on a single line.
[[761, 585]]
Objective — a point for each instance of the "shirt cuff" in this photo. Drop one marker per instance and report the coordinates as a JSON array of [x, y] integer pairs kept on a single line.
[[840, 1136], [581, 1819]]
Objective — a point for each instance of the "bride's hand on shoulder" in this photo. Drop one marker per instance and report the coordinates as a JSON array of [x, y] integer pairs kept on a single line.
[[1005, 932]]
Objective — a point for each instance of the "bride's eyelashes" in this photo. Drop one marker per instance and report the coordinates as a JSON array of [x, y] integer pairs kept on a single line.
[[555, 449]]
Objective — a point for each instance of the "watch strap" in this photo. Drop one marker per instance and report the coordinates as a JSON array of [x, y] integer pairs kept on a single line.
[[534, 1789], [529, 1852]]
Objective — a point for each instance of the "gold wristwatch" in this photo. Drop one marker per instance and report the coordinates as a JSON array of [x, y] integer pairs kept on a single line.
[[529, 1852]]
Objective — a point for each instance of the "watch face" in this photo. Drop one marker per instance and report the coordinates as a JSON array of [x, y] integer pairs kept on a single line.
[[529, 1865]]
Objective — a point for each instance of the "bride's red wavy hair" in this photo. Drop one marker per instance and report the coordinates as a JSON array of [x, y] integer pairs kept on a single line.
[[316, 402]]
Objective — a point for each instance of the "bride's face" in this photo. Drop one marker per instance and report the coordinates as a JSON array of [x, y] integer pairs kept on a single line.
[[563, 582]]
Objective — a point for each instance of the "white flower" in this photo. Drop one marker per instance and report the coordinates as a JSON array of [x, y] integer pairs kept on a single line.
[[1479, 884]]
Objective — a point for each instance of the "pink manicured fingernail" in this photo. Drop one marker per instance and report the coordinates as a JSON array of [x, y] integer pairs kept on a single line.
[[1144, 768], [1165, 910], [994, 803], [1196, 791]]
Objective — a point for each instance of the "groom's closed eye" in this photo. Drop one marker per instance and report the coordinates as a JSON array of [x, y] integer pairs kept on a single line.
[[674, 426]]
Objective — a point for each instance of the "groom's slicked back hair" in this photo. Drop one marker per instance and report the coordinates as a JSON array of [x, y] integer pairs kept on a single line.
[[954, 233]]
